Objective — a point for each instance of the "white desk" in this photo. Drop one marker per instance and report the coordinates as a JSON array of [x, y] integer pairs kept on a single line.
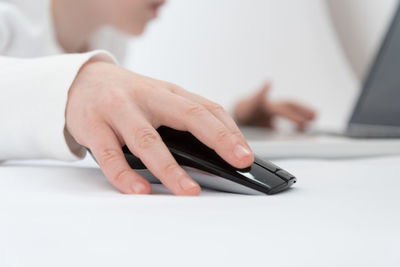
[[340, 213]]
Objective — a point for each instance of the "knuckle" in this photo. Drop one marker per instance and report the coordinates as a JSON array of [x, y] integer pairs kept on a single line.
[[146, 137], [148, 85], [237, 133], [173, 88], [222, 136], [195, 110], [111, 102], [171, 168], [114, 98], [109, 155], [119, 176], [214, 107], [113, 95]]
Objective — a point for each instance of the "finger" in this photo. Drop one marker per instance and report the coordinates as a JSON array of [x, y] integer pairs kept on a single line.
[[267, 123], [183, 114], [306, 112], [108, 153], [263, 93], [284, 111], [253, 110], [144, 141], [217, 110]]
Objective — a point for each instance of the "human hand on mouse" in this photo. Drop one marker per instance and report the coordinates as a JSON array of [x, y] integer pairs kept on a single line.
[[109, 106], [258, 110]]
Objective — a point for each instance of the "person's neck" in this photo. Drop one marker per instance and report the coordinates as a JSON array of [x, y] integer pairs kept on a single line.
[[74, 23]]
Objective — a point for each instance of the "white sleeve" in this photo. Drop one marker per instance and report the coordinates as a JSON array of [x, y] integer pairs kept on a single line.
[[33, 96]]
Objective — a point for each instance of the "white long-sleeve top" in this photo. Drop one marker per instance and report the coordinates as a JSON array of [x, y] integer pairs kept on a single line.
[[35, 76]]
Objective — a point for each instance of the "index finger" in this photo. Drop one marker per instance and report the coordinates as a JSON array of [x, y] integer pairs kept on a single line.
[[217, 110], [186, 115]]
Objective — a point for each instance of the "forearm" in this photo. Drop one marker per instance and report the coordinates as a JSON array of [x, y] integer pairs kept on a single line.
[[32, 106]]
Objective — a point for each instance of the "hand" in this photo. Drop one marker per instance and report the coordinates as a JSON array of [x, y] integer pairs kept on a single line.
[[109, 107], [258, 110]]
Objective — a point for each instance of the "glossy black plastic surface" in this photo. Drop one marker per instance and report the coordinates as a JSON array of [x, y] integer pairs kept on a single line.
[[262, 176]]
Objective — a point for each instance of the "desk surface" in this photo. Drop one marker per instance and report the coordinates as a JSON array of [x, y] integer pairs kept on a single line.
[[341, 213]]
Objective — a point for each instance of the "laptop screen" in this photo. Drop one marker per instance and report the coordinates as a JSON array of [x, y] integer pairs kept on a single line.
[[379, 103]]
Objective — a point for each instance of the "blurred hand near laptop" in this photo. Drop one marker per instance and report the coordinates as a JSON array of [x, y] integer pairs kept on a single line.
[[258, 110]]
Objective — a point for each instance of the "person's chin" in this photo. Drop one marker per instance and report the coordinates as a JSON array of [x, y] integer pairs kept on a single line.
[[135, 30], [138, 31]]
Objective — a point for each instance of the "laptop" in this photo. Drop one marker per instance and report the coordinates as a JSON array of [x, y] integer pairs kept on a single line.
[[374, 127]]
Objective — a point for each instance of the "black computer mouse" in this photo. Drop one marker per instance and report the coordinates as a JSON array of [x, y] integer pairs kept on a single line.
[[210, 170]]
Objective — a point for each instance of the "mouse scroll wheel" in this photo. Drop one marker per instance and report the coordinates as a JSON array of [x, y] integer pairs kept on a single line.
[[285, 175]]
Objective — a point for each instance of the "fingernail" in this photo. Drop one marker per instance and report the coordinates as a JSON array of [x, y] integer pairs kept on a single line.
[[188, 184], [138, 188], [241, 151]]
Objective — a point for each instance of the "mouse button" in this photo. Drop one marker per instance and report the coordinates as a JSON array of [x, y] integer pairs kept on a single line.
[[263, 176], [214, 165], [190, 146], [285, 175], [176, 138], [279, 189], [184, 143], [197, 152], [266, 164]]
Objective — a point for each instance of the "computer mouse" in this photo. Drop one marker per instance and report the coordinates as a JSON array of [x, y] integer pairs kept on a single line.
[[206, 167]]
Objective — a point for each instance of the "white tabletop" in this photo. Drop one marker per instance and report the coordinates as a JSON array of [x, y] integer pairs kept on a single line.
[[340, 213]]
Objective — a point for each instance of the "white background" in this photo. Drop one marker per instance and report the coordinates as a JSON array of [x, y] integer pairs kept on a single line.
[[226, 49]]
